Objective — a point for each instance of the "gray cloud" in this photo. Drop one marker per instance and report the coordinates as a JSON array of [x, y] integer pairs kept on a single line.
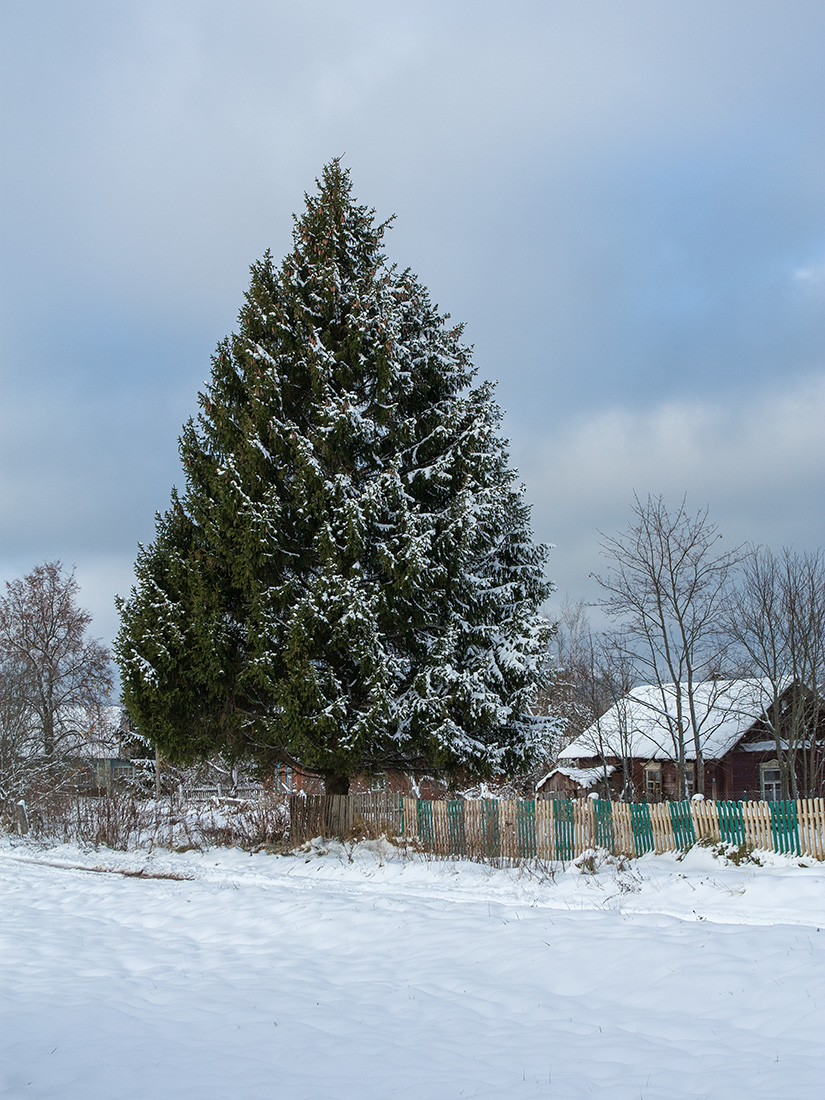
[[623, 202], [758, 464]]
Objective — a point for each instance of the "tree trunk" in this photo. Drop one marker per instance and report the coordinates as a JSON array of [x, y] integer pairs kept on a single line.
[[336, 784], [699, 773], [48, 735]]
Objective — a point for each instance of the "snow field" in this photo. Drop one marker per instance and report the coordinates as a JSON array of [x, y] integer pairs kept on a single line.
[[353, 973]]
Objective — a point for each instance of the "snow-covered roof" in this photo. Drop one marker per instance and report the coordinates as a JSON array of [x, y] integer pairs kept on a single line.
[[584, 777], [639, 725]]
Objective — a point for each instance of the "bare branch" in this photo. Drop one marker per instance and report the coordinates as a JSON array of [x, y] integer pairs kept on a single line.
[[53, 678], [666, 587]]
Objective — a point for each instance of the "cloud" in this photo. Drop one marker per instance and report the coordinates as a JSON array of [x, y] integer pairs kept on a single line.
[[811, 277], [614, 198], [758, 463]]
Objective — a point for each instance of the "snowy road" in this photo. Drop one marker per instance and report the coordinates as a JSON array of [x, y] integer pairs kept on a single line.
[[262, 976]]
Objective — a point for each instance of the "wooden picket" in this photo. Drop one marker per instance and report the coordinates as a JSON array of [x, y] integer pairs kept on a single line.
[[662, 827], [812, 826], [581, 826], [623, 829], [513, 830], [705, 820], [757, 822]]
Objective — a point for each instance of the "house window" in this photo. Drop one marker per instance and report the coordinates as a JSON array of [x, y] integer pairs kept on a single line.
[[122, 769], [653, 783], [770, 781]]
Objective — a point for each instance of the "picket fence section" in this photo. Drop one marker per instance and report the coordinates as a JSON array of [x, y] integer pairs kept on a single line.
[[522, 829]]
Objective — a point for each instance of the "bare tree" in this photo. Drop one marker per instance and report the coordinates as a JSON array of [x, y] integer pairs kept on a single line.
[[591, 677], [54, 677], [573, 694], [776, 617], [15, 737], [616, 674], [666, 586]]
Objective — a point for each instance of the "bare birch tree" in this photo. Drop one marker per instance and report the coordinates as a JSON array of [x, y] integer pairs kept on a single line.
[[575, 695], [616, 675], [592, 677], [54, 677], [776, 617], [665, 588], [15, 737]]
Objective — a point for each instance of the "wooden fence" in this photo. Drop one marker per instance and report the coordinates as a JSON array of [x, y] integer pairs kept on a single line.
[[524, 829]]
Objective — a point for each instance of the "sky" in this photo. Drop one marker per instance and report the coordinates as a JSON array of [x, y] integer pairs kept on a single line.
[[622, 202]]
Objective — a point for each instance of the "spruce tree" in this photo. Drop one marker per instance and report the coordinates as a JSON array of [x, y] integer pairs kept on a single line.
[[348, 582]]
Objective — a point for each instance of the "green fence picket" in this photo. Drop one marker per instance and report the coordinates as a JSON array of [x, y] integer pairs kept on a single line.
[[731, 825], [683, 831], [605, 837], [784, 828], [563, 829], [426, 833], [526, 828], [642, 829], [455, 827]]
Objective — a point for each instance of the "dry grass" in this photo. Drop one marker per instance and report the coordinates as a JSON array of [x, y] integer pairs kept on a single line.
[[122, 819]]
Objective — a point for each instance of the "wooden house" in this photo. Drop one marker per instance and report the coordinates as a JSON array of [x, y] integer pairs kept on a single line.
[[631, 752], [103, 750]]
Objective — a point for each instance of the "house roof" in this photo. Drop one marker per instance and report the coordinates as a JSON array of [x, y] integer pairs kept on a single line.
[[639, 725], [584, 777]]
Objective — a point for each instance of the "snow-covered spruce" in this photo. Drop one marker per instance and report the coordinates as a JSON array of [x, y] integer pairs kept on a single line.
[[349, 580]]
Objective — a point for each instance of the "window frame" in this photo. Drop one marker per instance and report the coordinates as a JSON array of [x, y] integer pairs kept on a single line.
[[653, 781], [765, 785]]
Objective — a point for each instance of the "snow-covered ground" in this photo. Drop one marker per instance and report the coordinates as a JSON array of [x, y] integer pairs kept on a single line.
[[354, 974]]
